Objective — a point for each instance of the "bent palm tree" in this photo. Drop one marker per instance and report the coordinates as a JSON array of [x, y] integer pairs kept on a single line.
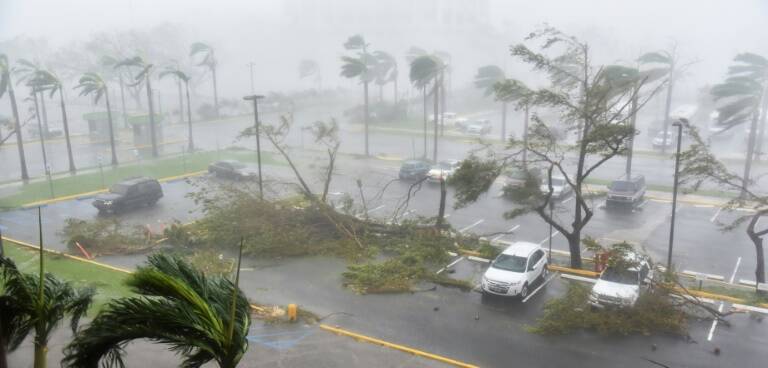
[[208, 60], [426, 70], [512, 90], [486, 79], [7, 86], [26, 71], [386, 72], [361, 67], [44, 80], [183, 77], [109, 62], [201, 318], [143, 76], [93, 84], [308, 68], [665, 63]]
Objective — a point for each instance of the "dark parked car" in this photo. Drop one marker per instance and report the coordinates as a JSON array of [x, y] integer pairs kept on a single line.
[[130, 193], [625, 192], [232, 169], [414, 170]]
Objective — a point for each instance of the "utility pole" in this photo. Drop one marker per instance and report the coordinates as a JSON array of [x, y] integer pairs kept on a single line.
[[256, 125], [250, 67], [679, 124]]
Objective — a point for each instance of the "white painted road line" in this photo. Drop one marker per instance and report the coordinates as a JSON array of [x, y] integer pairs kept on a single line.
[[568, 200], [450, 265], [478, 259], [551, 236], [478, 222], [376, 209], [714, 324], [716, 214], [541, 286], [497, 237], [735, 269]]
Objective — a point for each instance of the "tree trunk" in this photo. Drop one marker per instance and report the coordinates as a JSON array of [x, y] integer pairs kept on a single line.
[[424, 92], [631, 142], [152, 133], [750, 153], [189, 119], [45, 114], [395, 88], [3, 352], [365, 116], [122, 101], [436, 91], [111, 129], [503, 122], [215, 92], [757, 240], [42, 136], [441, 211], [761, 134], [66, 132], [41, 356], [181, 101], [17, 127], [668, 107], [525, 136], [442, 104]]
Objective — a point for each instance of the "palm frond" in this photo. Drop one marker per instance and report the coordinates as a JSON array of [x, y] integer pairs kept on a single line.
[[413, 53], [424, 69], [661, 57], [355, 42], [487, 76]]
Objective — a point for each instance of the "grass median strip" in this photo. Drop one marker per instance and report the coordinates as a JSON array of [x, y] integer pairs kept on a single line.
[[87, 183]]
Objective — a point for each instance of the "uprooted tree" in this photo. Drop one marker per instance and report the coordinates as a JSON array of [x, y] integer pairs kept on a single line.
[[593, 101]]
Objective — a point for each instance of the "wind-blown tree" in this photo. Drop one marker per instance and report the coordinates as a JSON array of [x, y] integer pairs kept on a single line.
[[512, 90], [201, 318], [386, 72], [44, 80], [589, 100], [425, 71], [93, 84], [183, 77], [310, 68], [447, 62], [487, 78], [663, 63], [699, 166], [143, 76], [7, 86], [208, 60], [109, 62], [412, 54], [361, 67], [25, 71]]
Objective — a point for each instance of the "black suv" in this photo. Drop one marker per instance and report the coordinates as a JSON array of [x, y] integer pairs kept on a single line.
[[414, 170], [625, 192], [129, 193]]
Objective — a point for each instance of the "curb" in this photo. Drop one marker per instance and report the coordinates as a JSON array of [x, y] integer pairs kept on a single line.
[[76, 258], [402, 348]]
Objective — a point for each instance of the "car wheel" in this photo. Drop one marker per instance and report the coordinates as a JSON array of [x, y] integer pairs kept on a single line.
[[544, 272], [524, 291]]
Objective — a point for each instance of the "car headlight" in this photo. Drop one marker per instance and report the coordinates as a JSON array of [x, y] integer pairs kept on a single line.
[[515, 283], [107, 203]]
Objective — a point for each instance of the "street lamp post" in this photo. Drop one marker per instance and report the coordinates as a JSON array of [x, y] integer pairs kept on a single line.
[[250, 67], [679, 124], [256, 124], [551, 208]]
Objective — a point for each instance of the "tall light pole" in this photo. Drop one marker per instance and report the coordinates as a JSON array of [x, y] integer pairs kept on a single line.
[[250, 67], [256, 125], [679, 124]]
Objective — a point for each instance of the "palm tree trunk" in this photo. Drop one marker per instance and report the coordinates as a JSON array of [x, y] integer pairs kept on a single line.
[[41, 356], [631, 142], [424, 92], [122, 100], [395, 96], [750, 153], [42, 136], [365, 115], [17, 127], [111, 129], [761, 134], [442, 104], [525, 136], [189, 119], [215, 91], [181, 101], [41, 348], [667, 108], [436, 90], [45, 114], [441, 211], [66, 132], [152, 133], [3, 352], [503, 122]]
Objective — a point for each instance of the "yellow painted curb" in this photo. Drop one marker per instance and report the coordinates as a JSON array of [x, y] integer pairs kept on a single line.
[[402, 348], [467, 252], [182, 176], [76, 258], [573, 271], [704, 294], [388, 158]]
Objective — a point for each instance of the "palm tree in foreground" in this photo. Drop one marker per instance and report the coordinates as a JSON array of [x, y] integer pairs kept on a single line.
[[201, 318], [44, 80], [7, 86], [209, 61], [183, 77], [93, 84]]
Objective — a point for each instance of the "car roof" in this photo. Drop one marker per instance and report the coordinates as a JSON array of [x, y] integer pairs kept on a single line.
[[136, 180], [414, 162], [522, 249]]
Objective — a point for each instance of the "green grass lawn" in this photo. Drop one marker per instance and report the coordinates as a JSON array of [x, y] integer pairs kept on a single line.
[[108, 283], [159, 168]]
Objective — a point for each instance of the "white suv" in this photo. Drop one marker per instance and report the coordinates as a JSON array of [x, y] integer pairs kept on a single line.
[[515, 269], [621, 287]]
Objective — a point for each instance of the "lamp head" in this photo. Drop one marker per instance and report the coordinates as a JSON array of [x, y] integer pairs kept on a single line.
[[253, 97]]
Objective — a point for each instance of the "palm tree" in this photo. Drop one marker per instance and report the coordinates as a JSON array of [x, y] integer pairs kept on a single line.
[[486, 79], [36, 302], [744, 91], [182, 77], [93, 84], [386, 72], [26, 71], [44, 80], [426, 70], [664, 63], [361, 67], [7, 86], [512, 90], [308, 68], [445, 57], [109, 62], [201, 318], [143, 76], [208, 60]]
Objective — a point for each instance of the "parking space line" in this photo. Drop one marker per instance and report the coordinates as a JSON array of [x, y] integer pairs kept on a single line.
[[716, 214], [551, 236], [714, 323], [497, 237], [551, 277], [735, 269], [450, 265], [478, 222], [643, 203]]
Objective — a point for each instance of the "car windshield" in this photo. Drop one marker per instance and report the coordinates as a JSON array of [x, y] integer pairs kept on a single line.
[[119, 189], [628, 277], [509, 263], [237, 165], [622, 186], [411, 165]]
